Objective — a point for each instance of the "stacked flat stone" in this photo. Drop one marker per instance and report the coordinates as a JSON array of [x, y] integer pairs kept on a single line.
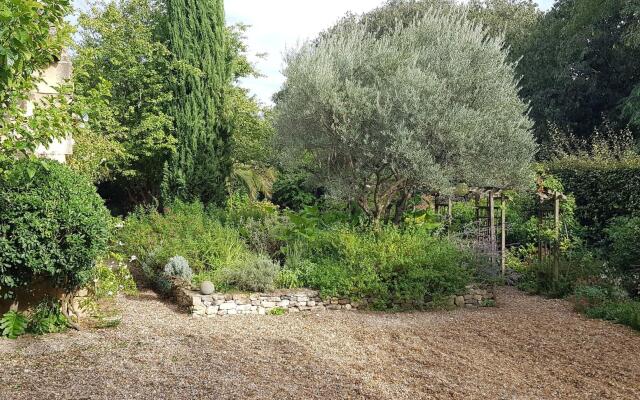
[[219, 304], [474, 297], [294, 301]]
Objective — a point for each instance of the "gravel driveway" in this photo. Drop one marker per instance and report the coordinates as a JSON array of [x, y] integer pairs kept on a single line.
[[527, 348]]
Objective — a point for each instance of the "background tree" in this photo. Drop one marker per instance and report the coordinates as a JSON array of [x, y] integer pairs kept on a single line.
[[251, 124], [197, 38], [420, 108], [514, 19], [123, 75], [580, 68], [251, 144]]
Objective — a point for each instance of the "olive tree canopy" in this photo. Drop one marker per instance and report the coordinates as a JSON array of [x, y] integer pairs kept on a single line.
[[421, 108]]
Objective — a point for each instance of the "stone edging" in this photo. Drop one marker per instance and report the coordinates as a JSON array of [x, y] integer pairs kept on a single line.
[[293, 301]]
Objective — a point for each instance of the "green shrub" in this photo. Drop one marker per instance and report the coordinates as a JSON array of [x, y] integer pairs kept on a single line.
[[523, 217], [178, 267], [258, 275], [393, 266], [47, 318], [462, 215], [185, 229], [488, 303], [623, 235], [13, 324], [240, 208], [319, 250], [587, 296], [277, 311], [264, 236], [333, 278], [574, 267], [111, 281], [53, 225], [288, 279], [626, 313], [603, 189], [176, 271], [292, 190]]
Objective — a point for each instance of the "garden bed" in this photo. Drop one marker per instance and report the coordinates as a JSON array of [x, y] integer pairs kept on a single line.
[[300, 300]]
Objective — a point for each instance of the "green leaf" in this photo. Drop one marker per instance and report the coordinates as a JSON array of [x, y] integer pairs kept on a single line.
[[31, 171], [13, 324]]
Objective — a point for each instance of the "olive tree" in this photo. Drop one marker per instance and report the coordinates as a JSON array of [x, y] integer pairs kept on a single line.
[[421, 108]]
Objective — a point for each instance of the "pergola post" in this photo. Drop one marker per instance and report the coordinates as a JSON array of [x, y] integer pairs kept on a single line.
[[556, 255], [479, 228], [503, 234], [492, 226], [540, 225], [449, 214]]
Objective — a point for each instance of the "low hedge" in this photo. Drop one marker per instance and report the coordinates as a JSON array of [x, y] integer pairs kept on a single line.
[[603, 189]]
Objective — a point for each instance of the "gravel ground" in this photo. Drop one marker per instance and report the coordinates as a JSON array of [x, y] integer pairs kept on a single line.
[[527, 348]]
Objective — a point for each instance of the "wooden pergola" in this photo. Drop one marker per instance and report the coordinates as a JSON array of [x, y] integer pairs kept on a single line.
[[487, 217], [491, 224]]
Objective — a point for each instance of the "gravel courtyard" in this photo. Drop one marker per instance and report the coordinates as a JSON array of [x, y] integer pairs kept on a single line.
[[527, 348]]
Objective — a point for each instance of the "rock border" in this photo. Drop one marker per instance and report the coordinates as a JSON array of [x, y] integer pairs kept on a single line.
[[297, 300]]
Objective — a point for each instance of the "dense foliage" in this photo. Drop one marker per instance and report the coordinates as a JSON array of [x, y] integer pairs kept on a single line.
[[13, 324], [125, 76], [184, 230], [199, 169], [579, 68], [45, 317], [27, 42], [53, 226], [122, 73], [254, 247], [603, 189], [402, 113], [577, 61], [623, 251], [393, 267], [378, 113]]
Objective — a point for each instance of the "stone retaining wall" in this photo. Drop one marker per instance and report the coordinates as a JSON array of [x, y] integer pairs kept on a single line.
[[474, 297], [293, 301]]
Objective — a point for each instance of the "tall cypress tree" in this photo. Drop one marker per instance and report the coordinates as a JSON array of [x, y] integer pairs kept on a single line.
[[197, 38]]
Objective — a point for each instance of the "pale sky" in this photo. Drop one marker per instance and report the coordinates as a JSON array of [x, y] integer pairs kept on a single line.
[[276, 25]]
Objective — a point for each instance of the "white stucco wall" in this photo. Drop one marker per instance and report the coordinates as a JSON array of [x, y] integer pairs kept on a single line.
[[53, 76]]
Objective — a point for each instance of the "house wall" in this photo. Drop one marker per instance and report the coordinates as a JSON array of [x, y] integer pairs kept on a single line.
[[57, 74]]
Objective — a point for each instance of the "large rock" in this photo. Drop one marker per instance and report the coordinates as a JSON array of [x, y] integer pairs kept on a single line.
[[207, 288]]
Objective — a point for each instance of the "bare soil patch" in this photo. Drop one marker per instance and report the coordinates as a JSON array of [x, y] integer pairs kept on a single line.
[[527, 348]]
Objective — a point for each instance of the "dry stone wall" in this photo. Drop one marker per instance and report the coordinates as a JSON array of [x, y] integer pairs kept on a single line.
[[294, 301]]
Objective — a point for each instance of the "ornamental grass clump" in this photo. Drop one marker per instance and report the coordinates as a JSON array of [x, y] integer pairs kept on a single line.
[[185, 229]]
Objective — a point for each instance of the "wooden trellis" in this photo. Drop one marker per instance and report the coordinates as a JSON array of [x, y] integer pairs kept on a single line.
[[489, 232], [491, 222], [549, 210], [489, 229]]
